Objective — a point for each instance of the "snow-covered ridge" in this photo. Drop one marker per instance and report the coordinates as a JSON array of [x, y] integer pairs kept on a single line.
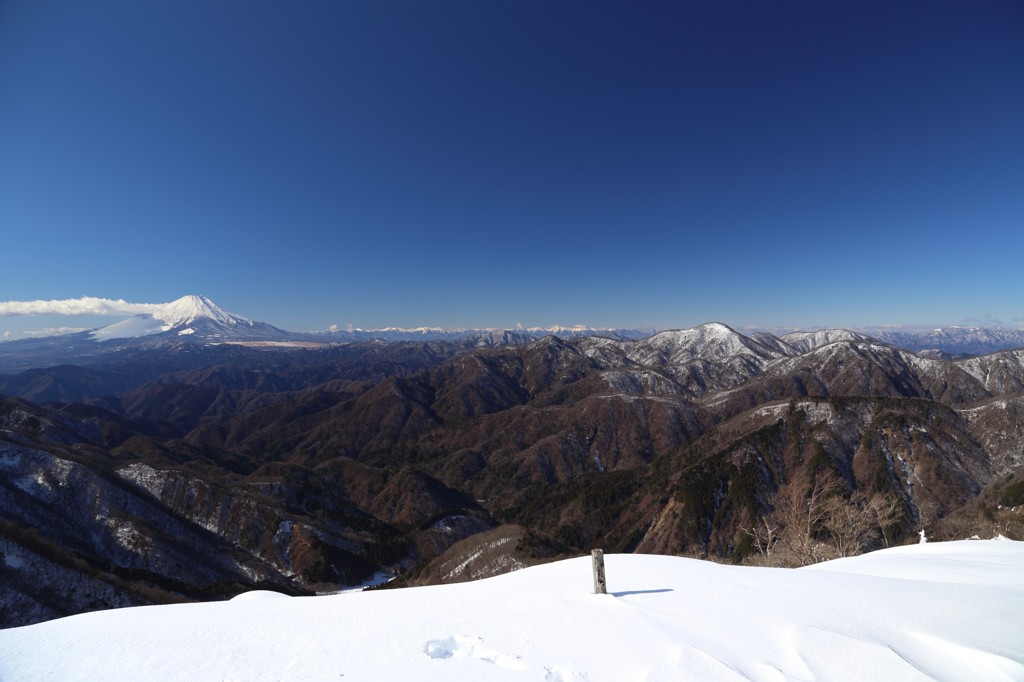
[[805, 341], [555, 329], [938, 611], [710, 341]]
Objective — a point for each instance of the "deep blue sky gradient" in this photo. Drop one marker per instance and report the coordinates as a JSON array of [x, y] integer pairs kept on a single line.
[[492, 163]]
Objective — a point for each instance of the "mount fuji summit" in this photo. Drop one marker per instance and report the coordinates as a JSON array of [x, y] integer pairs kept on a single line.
[[188, 316], [193, 320]]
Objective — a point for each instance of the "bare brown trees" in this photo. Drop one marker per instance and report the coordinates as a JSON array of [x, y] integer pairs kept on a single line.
[[820, 522]]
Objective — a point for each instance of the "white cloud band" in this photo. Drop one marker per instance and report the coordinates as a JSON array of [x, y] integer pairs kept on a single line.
[[77, 306]]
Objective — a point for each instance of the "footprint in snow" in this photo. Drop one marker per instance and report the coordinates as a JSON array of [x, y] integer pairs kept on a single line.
[[470, 646], [559, 674]]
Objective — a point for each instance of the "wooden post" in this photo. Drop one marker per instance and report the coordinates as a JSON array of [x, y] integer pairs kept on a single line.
[[597, 558]]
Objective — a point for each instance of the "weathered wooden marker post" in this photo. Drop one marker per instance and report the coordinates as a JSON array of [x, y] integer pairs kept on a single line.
[[597, 558]]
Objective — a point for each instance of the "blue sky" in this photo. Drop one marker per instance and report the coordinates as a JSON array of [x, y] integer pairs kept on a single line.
[[492, 163]]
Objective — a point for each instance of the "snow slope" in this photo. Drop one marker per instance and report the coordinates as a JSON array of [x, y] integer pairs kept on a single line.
[[949, 611]]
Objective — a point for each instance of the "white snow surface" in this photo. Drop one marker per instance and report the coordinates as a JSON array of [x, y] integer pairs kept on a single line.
[[138, 325], [940, 611]]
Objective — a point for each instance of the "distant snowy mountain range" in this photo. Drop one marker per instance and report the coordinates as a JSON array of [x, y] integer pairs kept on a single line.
[[953, 339], [198, 319]]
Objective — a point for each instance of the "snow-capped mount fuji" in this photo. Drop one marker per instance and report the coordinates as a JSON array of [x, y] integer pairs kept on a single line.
[[186, 316], [188, 309], [194, 320]]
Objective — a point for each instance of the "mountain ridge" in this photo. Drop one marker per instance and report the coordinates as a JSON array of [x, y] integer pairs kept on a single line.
[[330, 464], [198, 319]]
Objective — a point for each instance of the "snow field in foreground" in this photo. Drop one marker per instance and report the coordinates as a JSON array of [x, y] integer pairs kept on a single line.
[[945, 611]]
